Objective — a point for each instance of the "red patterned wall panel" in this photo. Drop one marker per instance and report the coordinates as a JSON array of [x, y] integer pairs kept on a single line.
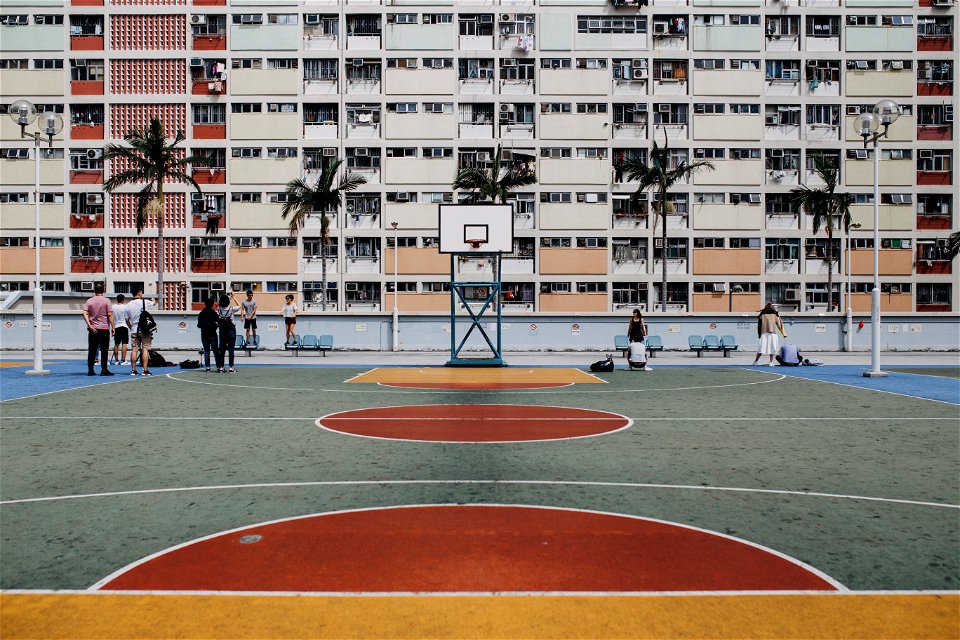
[[157, 77], [143, 3], [148, 33], [123, 211], [126, 117], [139, 255], [175, 296]]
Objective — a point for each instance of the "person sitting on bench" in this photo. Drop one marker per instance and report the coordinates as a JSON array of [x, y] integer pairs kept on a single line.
[[789, 355]]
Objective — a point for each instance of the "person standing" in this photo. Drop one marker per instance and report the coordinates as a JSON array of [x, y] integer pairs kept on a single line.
[[121, 333], [249, 316], [141, 340], [768, 324], [636, 334], [207, 321], [228, 330], [289, 312], [98, 314]]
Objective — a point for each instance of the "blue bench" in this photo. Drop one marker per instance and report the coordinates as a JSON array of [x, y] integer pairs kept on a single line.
[[695, 343], [728, 343], [248, 347], [621, 344], [654, 344], [325, 344], [310, 342], [711, 343]]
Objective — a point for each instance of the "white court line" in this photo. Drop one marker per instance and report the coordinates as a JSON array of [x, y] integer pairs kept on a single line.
[[803, 565], [483, 418], [570, 483], [447, 594], [662, 419], [549, 390]]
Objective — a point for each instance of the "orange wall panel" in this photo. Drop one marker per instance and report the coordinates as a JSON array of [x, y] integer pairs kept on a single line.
[[726, 261], [411, 302], [720, 302], [22, 260], [86, 132], [573, 302], [86, 43], [413, 260], [573, 262], [273, 260], [86, 87], [892, 262]]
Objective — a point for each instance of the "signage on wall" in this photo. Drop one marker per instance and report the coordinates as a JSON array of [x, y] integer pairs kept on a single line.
[[575, 329]]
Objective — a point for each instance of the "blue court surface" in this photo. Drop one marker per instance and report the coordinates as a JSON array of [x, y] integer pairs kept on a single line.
[[71, 374]]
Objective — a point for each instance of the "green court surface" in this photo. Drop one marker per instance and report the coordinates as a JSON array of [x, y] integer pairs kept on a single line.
[[860, 485]]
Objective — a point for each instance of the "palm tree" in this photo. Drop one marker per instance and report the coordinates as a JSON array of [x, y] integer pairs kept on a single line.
[[495, 183], [828, 207], [325, 194], [152, 160], [953, 245], [660, 178]]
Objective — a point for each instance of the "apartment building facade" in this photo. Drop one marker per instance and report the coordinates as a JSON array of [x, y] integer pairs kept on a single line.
[[407, 92]]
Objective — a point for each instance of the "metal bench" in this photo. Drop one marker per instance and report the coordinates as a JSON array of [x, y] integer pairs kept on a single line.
[[654, 344], [695, 343], [621, 344]]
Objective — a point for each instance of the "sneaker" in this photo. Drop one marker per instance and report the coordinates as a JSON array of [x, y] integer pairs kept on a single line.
[[648, 368], [208, 369], [147, 373], [232, 370], [134, 373], [91, 372], [221, 370], [105, 372]]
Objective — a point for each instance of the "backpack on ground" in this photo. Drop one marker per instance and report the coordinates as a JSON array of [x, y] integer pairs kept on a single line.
[[602, 366], [190, 364], [157, 360]]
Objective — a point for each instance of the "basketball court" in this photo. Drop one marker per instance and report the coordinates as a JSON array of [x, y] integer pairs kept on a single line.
[[419, 501]]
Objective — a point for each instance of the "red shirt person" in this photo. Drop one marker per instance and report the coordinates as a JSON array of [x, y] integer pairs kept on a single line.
[[98, 314]]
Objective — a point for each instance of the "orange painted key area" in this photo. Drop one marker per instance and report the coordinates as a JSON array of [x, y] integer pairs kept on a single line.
[[468, 548], [474, 423], [476, 377]]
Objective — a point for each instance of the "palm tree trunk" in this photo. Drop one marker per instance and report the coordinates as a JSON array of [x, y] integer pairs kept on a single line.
[[663, 236], [829, 253], [324, 233], [160, 255]]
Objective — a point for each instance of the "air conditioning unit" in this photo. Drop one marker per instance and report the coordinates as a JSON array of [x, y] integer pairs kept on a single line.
[[926, 154], [719, 287], [196, 242], [94, 198], [948, 114], [94, 154], [659, 27], [896, 65], [658, 243], [360, 152], [213, 87], [349, 286], [311, 18], [771, 121], [506, 17], [96, 242], [508, 62], [506, 108], [403, 197], [196, 19], [246, 242], [486, 18], [236, 287], [216, 286], [196, 62], [357, 62], [86, 286], [860, 65], [776, 153], [637, 74], [663, 107], [196, 197], [483, 156], [791, 295]]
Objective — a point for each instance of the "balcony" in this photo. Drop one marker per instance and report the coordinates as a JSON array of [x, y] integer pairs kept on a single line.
[[87, 131], [210, 131], [86, 220], [86, 264], [86, 43], [210, 176], [86, 176], [86, 87], [207, 42]]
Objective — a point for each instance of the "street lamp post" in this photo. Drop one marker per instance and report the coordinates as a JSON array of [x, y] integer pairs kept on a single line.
[[849, 341], [24, 113], [396, 313], [867, 125]]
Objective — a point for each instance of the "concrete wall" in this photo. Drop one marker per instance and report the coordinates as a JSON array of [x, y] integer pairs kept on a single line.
[[431, 332], [264, 82]]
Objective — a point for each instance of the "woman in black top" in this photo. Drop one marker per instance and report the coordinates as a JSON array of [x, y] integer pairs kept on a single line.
[[637, 330], [207, 321]]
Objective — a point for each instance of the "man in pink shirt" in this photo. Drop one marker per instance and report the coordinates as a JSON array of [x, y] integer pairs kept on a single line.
[[98, 314]]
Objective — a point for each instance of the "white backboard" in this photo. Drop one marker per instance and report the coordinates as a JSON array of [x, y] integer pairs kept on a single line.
[[490, 223]]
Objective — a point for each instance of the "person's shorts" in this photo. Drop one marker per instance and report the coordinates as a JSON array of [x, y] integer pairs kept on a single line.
[[250, 323], [290, 321], [121, 335], [142, 342]]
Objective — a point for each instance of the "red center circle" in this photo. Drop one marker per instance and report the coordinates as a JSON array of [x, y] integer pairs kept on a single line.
[[474, 423], [468, 548]]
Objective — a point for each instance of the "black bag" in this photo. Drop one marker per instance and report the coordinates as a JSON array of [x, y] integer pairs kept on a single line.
[[601, 366], [146, 325], [156, 360], [190, 364], [225, 323]]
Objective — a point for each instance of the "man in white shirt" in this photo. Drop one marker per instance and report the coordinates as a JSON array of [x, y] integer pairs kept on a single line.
[[121, 332], [141, 343]]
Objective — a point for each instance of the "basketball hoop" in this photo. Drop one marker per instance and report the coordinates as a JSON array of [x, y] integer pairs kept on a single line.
[[476, 243]]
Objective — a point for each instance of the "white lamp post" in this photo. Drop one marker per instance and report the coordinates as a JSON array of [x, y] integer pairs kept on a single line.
[[396, 313], [884, 113], [849, 345], [23, 113]]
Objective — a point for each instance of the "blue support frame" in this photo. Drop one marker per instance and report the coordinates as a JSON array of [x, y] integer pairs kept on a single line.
[[491, 302]]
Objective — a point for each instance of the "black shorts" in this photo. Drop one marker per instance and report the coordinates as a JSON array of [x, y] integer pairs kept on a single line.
[[121, 335], [250, 323], [290, 321]]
